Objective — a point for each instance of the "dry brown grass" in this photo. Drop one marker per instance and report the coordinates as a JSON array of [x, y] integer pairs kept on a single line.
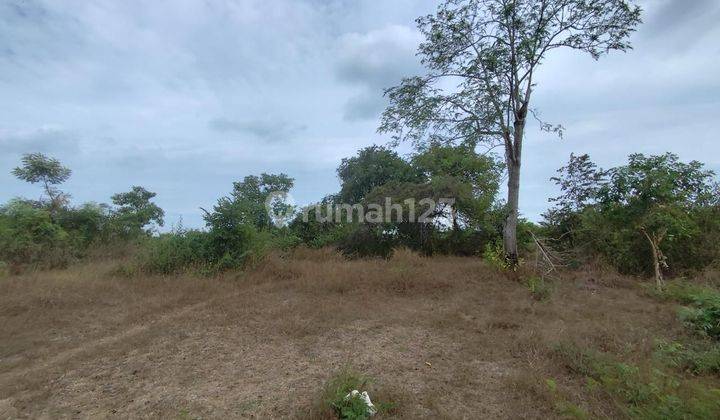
[[446, 337]]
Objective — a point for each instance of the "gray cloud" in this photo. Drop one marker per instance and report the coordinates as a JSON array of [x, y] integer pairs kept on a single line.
[[375, 61], [44, 140], [130, 93], [266, 130]]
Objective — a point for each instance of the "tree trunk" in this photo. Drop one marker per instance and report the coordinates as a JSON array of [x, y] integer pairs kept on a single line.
[[657, 264], [513, 153], [510, 228]]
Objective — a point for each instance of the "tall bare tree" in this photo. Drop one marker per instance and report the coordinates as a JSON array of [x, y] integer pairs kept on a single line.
[[481, 58]]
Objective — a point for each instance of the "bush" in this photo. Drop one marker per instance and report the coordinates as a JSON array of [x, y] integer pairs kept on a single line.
[[86, 225], [28, 237], [703, 310], [494, 256], [175, 252], [539, 288], [340, 386], [641, 393], [699, 358]]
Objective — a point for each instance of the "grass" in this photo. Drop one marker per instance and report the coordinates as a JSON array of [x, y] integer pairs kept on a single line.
[[539, 288], [702, 310], [441, 337], [336, 396], [643, 393]]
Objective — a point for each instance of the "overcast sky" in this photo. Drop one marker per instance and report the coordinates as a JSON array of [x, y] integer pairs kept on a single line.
[[186, 96]]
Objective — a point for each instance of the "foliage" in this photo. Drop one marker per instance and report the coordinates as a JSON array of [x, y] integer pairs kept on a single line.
[[343, 383], [698, 358], [38, 168], [373, 167], [472, 178], [28, 236], [539, 288], [641, 393], [175, 252], [494, 256], [481, 58], [87, 224], [653, 205], [135, 212]]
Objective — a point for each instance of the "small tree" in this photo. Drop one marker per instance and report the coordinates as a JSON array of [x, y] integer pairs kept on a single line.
[[579, 184], [373, 167], [482, 57], [38, 168], [476, 178], [135, 211], [654, 196]]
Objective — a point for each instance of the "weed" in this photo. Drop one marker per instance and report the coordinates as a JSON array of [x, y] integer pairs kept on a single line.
[[336, 396], [698, 358], [494, 256], [564, 408], [702, 312], [645, 394], [539, 289]]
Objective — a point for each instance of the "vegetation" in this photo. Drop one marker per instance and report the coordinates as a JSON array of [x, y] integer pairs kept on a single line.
[[489, 52], [337, 396], [652, 215], [643, 393]]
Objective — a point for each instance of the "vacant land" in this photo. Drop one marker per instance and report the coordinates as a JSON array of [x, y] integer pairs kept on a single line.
[[443, 338]]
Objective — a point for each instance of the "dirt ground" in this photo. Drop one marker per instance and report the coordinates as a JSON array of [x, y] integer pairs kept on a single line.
[[443, 337]]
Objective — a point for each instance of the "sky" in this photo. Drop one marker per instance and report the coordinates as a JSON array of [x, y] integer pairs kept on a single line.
[[184, 97]]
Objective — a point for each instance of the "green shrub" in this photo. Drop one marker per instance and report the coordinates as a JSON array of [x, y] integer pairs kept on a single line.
[[699, 358], [539, 288], [641, 393], [28, 237], [342, 384], [703, 310], [175, 252], [494, 256]]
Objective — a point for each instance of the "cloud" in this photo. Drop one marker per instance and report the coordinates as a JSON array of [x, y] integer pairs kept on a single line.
[[44, 140], [189, 98], [375, 61], [266, 130]]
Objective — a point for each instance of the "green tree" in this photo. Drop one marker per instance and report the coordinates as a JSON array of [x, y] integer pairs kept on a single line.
[[29, 236], [239, 225], [248, 203], [373, 166], [135, 211], [481, 58], [655, 196], [38, 168], [473, 179], [579, 183]]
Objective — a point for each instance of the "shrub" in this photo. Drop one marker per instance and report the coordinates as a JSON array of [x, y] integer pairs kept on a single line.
[[539, 288], [29, 237], [699, 358], [641, 393], [703, 310], [174, 252], [340, 386], [494, 256]]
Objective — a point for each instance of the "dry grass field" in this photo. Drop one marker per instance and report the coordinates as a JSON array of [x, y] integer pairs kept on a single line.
[[444, 337]]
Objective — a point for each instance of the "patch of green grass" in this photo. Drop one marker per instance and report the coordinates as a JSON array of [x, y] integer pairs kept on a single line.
[[353, 408], [702, 310], [641, 393], [539, 288], [697, 358], [494, 256], [563, 407]]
